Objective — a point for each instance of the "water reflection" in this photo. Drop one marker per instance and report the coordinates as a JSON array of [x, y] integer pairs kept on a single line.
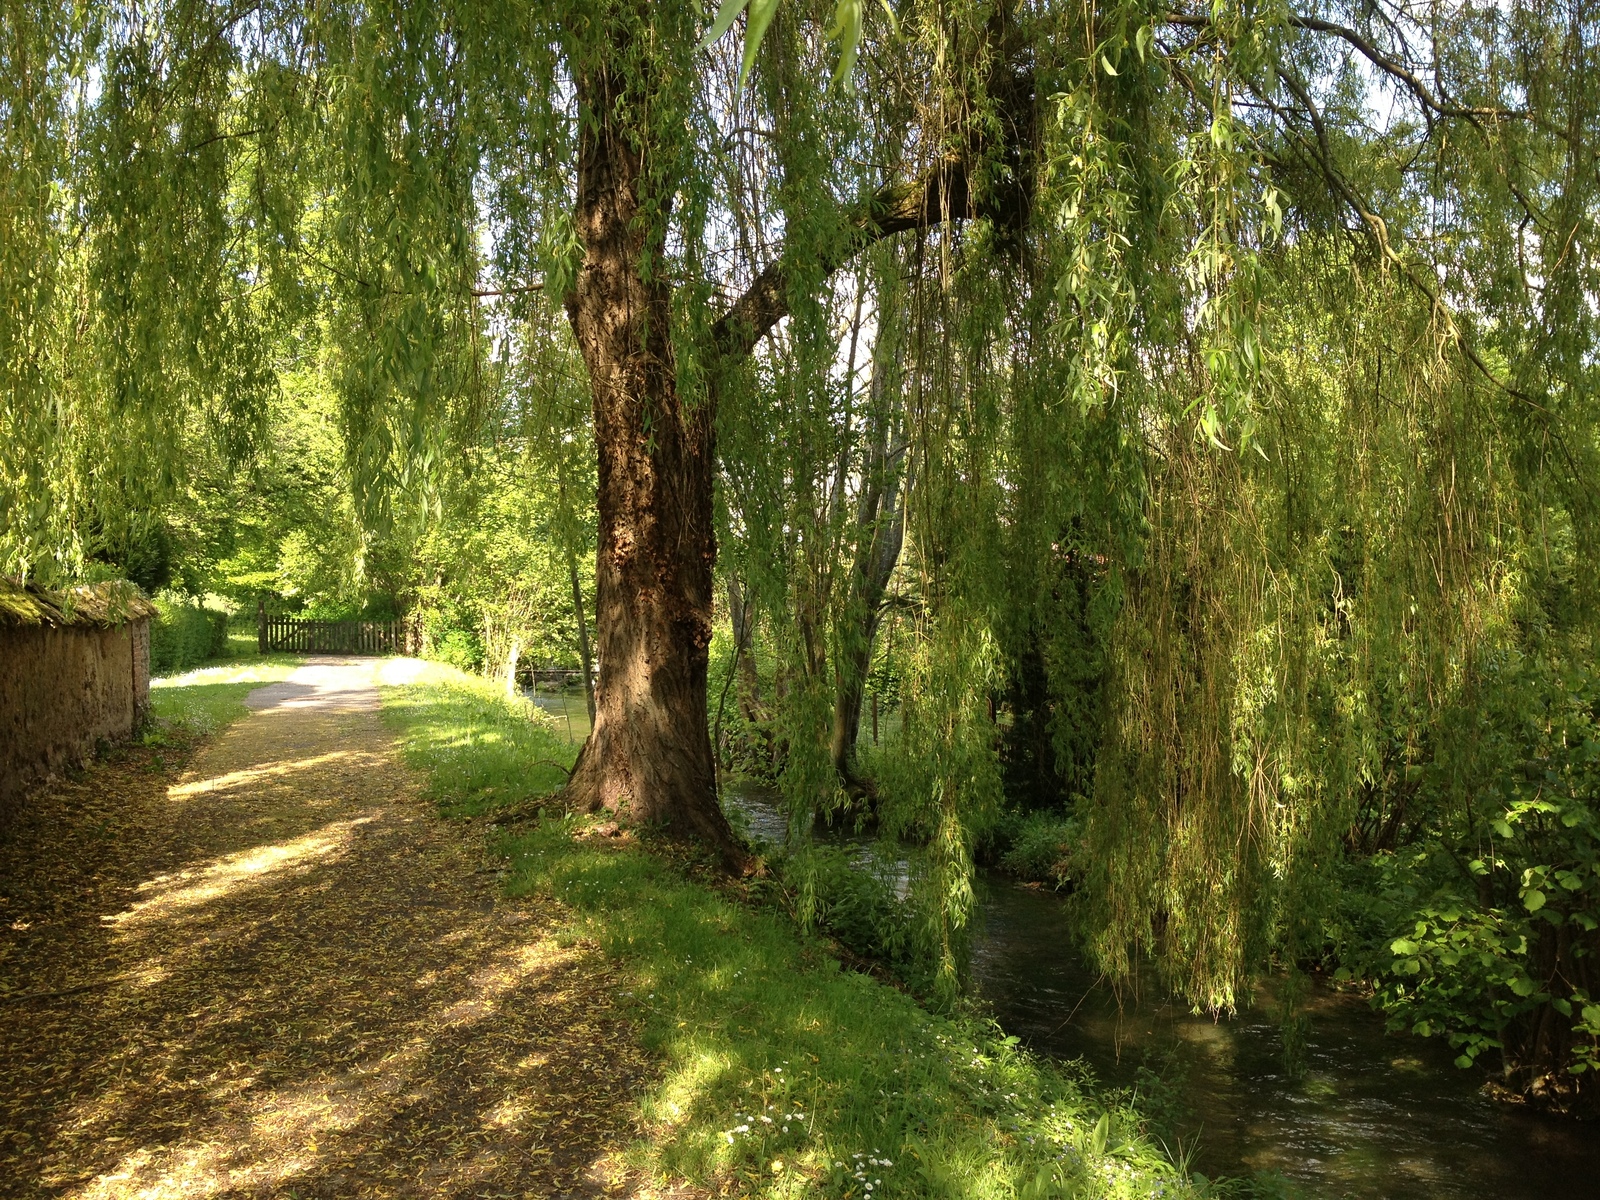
[[568, 708], [1372, 1117]]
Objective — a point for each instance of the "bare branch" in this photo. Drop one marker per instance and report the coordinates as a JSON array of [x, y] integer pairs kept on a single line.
[[1377, 58]]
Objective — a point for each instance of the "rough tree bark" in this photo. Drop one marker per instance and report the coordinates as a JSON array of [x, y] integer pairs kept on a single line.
[[649, 753]]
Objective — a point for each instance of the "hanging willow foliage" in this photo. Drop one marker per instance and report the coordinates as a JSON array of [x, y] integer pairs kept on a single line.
[[1227, 369]]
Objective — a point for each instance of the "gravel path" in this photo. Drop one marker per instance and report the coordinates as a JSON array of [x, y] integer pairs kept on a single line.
[[277, 973]]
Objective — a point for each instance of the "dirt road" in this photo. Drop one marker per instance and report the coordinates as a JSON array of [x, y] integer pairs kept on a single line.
[[277, 973]]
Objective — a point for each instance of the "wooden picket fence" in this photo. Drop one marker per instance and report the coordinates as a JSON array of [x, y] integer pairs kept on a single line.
[[331, 637]]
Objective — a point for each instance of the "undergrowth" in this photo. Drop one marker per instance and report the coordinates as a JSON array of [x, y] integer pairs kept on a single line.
[[1040, 847], [854, 901], [782, 1075]]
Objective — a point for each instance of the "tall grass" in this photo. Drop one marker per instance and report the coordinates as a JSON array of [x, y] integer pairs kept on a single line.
[[781, 1074]]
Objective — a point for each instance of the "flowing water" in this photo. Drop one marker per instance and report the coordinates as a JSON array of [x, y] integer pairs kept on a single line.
[[1370, 1116]]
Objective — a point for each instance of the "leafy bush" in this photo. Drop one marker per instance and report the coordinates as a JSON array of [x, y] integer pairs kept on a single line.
[[1041, 847], [1485, 931], [460, 648], [184, 635], [852, 901], [452, 634]]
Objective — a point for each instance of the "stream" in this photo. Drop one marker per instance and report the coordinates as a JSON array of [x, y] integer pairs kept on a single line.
[[1373, 1116], [567, 708]]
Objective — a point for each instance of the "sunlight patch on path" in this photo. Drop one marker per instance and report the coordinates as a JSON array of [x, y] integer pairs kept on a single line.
[[176, 893], [281, 1134], [253, 775], [241, 672], [306, 985]]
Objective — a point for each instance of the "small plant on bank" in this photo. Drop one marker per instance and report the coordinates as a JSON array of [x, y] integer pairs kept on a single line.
[[1484, 929]]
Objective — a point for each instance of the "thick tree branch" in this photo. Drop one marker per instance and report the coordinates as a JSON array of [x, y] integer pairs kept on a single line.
[[940, 195], [510, 290]]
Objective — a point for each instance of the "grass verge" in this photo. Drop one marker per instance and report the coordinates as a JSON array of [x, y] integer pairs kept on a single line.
[[781, 1075], [200, 702], [479, 749]]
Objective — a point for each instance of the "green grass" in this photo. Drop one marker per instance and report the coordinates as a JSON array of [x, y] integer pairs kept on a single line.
[[480, 750], [783, 1075], [207, 699], [244, 645]]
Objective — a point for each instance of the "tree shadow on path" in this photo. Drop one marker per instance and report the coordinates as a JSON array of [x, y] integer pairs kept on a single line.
[[280, 974]]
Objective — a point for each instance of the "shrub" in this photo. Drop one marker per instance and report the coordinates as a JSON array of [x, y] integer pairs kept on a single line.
[[460, 648], [185, 634], [451, 634], [854, 902], [1485, 928], [1041, 848]]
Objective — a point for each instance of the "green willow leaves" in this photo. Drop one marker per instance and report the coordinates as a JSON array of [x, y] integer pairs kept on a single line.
[[1171, 407]]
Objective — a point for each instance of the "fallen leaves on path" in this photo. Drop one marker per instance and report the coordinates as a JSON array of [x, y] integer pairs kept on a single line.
[[264, 968]]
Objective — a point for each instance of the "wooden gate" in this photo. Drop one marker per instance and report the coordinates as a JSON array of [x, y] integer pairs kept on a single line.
[[300, 636]]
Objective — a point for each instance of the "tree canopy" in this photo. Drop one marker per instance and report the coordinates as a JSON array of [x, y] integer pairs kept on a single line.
[[1204, 396]]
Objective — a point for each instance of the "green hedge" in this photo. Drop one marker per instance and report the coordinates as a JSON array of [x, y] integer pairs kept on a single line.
[[185, 635]]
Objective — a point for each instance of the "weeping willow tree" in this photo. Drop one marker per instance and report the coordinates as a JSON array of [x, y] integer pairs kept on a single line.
[[1234, 364], [1234, 397]]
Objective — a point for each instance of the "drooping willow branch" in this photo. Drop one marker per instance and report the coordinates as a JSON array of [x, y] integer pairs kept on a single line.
[[1322, 153], [1389, 66]]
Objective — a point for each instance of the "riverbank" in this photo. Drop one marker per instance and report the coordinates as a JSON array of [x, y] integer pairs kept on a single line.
[[777, 1073]]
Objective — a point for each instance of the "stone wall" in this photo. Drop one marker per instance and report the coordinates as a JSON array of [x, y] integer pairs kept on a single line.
[[64, 688]]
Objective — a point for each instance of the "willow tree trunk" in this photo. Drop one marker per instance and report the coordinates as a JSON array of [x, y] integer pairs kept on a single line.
[[648, 755]]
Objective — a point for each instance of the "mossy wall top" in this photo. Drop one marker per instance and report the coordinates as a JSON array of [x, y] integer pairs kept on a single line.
[[105, 605]]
